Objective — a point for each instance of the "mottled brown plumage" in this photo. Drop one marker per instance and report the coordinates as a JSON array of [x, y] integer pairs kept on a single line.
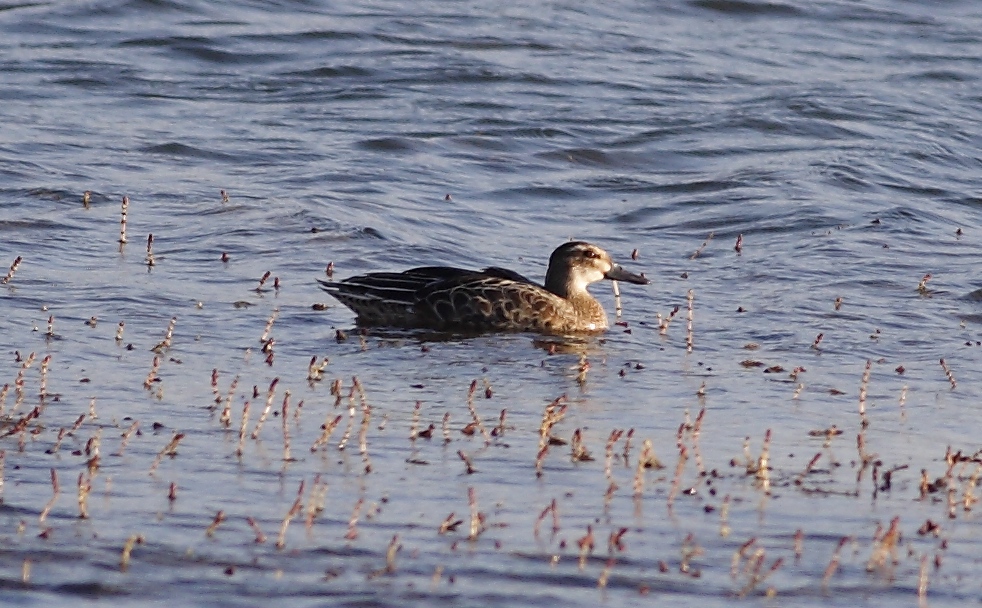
[[493, 299]]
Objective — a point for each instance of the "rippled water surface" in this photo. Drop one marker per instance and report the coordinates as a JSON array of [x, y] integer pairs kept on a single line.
[[840, 140]]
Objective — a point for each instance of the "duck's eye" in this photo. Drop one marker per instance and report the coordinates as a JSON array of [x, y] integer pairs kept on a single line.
[[590, 254]]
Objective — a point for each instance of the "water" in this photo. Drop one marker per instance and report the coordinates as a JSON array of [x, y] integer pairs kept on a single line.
[[840, 139]]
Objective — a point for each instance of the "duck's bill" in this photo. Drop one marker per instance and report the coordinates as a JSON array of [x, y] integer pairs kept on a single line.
[[617, 273]]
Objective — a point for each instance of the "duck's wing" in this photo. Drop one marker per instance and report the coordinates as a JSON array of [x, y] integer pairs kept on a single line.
[[488, 301], [389, 286], [388, 298], [453, 299], [395, 286]]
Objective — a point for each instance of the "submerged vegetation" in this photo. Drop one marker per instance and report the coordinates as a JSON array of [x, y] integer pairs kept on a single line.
[[383, 462]]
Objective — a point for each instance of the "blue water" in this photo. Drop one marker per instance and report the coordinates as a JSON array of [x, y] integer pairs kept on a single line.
[[840, 139]]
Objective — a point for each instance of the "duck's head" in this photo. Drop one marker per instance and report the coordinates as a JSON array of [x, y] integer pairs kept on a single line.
[[576, 264]]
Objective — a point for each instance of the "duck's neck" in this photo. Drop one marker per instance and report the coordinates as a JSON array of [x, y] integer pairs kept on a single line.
[[559, 285], [587, 308]]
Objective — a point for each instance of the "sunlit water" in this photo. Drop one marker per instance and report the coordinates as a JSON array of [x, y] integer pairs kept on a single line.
[[840, 139]]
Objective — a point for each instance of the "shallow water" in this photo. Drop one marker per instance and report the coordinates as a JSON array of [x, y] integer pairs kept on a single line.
[[841, 140]]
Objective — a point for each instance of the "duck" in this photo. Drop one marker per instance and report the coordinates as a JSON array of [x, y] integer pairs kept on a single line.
[[495, 299]]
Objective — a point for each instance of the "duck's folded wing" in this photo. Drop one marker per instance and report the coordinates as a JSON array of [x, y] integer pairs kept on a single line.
[[379, 298]]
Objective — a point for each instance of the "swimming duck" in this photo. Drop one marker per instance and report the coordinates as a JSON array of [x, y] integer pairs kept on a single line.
[[493, 299]]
